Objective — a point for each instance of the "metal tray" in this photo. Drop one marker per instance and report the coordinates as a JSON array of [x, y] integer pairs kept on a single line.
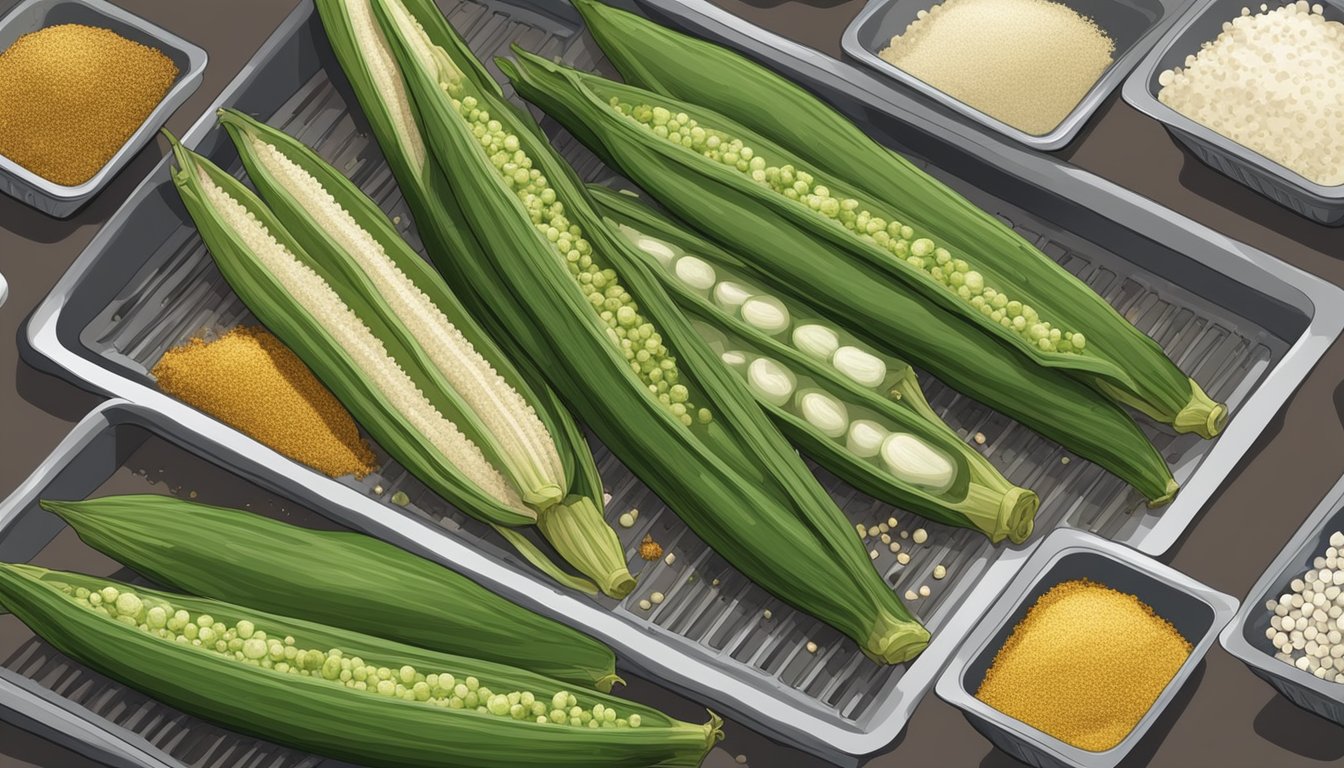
[[1196, 611], [57, 199], [1280, 184], [146, 283], [1132, 24], [1245, 638]]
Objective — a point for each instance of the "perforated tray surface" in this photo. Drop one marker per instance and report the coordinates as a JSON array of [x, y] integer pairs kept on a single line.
[[1248, 329]]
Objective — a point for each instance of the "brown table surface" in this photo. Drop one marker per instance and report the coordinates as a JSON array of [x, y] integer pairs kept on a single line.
[[1224, 717]]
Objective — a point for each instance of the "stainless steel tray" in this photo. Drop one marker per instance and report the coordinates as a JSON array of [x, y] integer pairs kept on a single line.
[[1132, 24], [1280, 184], [146, 283], [60, 200], [1195, 610], [1245, 638]]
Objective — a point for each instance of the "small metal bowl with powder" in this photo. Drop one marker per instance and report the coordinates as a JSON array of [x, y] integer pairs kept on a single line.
[[1026, 63]]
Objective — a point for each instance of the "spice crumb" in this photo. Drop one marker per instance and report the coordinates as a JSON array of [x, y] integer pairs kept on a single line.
[[377, 490], [649, 549]]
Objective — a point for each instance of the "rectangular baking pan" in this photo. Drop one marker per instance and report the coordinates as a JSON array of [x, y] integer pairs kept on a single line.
[[1245, 637], [1133, 25], [60, 200], [145, 283], [1279, 183], [1195, 610]]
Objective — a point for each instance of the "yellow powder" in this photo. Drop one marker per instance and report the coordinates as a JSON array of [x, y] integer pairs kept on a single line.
[[1025, 62], [251, 381], [71, 95], [1085, 665]]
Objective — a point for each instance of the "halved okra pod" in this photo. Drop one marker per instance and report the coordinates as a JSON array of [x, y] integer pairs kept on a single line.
[[615, 347], [340, 578], [859, 413], [1025, 297], [797, 251], [392, 343], [339, 693]]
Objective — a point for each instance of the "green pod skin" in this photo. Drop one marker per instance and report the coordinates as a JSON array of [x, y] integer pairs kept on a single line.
[[735, 481], [795, 260], [1120, 360], [312, 342], [582, 538], [979, 498], [243, 558], [317, 715]]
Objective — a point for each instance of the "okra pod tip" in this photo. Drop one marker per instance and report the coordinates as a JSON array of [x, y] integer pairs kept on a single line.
[[1018, 513], [893, 640], [1202, 414]]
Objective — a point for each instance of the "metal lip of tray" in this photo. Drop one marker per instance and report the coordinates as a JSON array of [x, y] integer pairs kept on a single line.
[[1245, 638], [1279, 183], [1196, 611], [145, 283], [60, 200], [1134, 25]]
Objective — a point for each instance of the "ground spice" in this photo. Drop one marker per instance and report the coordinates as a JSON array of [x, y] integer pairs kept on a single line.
[[1025, 62], [1085, 665], [71, 95], [650, 549], [251, 381]]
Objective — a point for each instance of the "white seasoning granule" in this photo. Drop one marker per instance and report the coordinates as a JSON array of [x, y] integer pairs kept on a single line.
[[1025, 62], [670, 559], [1274, 83], [872, 554], [1306, 622]]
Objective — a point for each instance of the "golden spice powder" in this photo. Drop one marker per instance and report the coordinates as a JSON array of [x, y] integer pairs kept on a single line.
[[71, 95], [251, 381], [1085, 665]]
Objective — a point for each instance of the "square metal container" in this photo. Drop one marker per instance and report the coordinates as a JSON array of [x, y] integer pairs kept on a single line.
[[121, 448], [1133, 25], [1196, 611], [1245, 325], [60, 200], [1280, 184], [1245, 637]]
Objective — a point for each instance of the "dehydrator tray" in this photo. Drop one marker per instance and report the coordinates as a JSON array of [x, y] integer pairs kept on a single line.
[[1247, 326]]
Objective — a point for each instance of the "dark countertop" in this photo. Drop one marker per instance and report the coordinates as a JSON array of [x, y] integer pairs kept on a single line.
[[1225, 716]]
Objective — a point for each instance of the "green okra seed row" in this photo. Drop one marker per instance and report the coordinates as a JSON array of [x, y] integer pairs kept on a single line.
[[637, 338], [954, 274], [245, 643]]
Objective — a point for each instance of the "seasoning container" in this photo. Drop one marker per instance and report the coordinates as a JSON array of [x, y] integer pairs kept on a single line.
[[1245, 636], [62, 200], [1191, 609], [1131, 26], [1320, 203]]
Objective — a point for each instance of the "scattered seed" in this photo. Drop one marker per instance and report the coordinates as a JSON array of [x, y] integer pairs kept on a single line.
[[191, 495], [905, 534], [606, 498], [741, 759], [895, 546], [910, 595], [634, 513], [872, 554], [1064, 459], [626, 520], [924, 590], [645, 605], [401, 499], [873, 531], [883, 527], [768, 614], [656, 598], [811, 647], [377, 490], [886, 538], [891, 522], [979, 438], [863, 532], [671, 558], [396, 219], [903, 559], [714, 583], [921, 536], [939, 571]]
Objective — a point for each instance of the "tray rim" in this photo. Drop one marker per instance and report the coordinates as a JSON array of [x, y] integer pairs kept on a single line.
[[1139, 95], [1233, 637], [1057, 138], [666, 662], [1059, 544], [63, 196]]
